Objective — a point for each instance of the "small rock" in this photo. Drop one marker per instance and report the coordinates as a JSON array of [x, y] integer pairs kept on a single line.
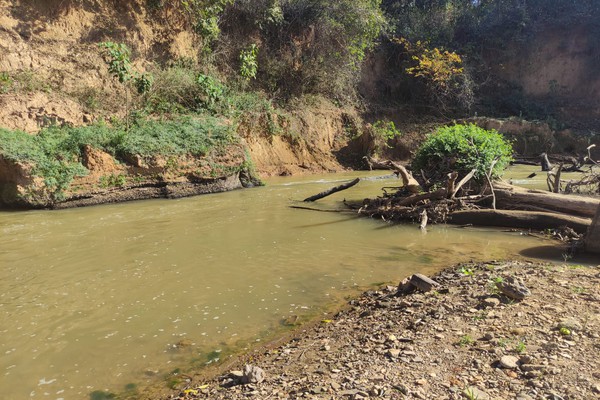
[[569, 323], [509, 362], [236, 375], [393, 353], [513, 288], [525, 360], [490, 302], [252, 374], [402, 389], [423, 283], [405, 287]]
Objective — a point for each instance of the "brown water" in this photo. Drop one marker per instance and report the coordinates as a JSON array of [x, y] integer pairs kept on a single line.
[[97, 298], [519, 175]]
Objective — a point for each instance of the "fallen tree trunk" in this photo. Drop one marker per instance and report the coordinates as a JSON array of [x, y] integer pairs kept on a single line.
[[513, 197], [520, 219], [592, 239], [332, 190]]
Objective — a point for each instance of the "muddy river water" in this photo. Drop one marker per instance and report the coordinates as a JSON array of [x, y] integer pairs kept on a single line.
[[114, 297]]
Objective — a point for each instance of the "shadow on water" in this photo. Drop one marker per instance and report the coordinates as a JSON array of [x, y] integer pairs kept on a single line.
[[328, 222], [559, 254]]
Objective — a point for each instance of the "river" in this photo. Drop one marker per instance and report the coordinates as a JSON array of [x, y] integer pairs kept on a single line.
[[115, 297]]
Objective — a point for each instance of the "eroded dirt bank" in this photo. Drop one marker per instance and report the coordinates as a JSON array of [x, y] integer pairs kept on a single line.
[[462, 340]]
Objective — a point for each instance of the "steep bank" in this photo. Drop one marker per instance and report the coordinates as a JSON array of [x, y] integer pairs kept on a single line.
[[53, 74]]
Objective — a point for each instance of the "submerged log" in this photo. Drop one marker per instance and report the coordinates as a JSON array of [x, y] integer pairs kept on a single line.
[[332, 190], [592, 239], [520, 219], [513, 197]]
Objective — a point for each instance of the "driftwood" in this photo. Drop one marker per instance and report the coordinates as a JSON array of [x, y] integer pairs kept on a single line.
[[520, 219], [546, 166], [462, 182], [592, 239], [318, 209], [407, 179], [553, 179], [424, 219], [332, 191], [374, 163], [513, 197]]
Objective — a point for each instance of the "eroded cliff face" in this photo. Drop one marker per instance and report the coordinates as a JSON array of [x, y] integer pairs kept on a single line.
[[52, 73], [54, 69], [557, 67]]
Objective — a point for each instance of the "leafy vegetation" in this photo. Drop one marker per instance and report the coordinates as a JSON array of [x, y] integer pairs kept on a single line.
[[248, 62], [474, 30], [445, 81], [462, 148], [307, 46], [55, 153], [23, 81]]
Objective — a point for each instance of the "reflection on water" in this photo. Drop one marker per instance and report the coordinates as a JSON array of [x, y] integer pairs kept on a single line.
[[99, 298]]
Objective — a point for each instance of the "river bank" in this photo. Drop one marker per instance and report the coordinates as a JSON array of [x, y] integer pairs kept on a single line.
[[462, 340]]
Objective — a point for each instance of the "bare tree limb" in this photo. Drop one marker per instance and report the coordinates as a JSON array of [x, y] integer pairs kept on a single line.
[[332, 190], [462, 182]]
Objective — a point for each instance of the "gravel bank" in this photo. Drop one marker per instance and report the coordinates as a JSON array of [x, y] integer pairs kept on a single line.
[[462, 340]]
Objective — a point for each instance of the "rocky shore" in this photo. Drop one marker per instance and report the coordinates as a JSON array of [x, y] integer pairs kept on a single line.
[[466, 338]]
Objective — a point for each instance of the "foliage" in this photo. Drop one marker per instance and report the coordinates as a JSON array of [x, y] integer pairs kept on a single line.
[[112, 180], [55, 153], [119, 65], [382, 132], [180, 89], [442, 72], [386, 130], [307, 46], [212, 88], [248, 62], [23, 81], [465, 340], [462, 148]]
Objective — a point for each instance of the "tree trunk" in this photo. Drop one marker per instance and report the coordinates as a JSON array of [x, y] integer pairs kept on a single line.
[[520, 219], [592, 239], [512, 197]]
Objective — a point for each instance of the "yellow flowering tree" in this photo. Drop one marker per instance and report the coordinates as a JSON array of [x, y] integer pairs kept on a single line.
[[441, 71]]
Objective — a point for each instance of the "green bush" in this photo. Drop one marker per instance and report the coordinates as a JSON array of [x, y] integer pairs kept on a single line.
[[462, 148], [55, 153]]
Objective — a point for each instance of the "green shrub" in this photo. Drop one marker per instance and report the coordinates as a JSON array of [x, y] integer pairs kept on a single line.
[[181, 89], [55, 153], [462, 148], [248, 62]]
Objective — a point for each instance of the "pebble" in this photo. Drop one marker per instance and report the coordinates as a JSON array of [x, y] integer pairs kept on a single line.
[[509, 362], [491, 302], [569, 323], [253, 374], [394, 353]]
